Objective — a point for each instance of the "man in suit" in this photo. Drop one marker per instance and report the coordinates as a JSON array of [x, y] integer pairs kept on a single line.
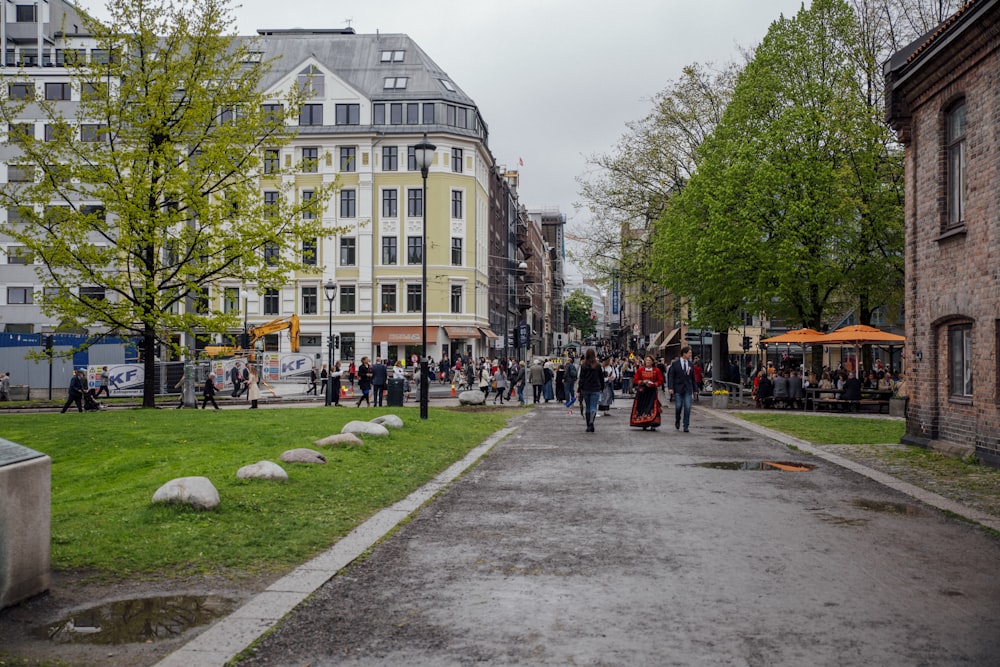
[[236, 376], [680, 386], [379, 375]]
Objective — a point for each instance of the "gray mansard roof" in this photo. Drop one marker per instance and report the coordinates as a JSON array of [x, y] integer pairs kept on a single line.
[[357, 60]]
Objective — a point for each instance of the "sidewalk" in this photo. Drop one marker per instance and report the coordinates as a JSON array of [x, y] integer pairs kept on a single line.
[[606, 501]]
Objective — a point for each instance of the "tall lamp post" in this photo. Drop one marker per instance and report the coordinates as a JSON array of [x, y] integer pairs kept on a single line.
[[424, 153], [331, 293]]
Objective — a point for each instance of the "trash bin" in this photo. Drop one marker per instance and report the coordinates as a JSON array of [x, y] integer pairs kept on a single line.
[[394, 393]]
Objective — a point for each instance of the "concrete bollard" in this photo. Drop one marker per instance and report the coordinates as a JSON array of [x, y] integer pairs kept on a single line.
[[25, 519]]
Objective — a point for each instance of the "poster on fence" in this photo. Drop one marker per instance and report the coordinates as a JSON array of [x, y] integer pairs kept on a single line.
[[123, 379]]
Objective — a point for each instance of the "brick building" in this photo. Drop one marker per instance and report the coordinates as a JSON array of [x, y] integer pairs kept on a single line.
[[942, 101]]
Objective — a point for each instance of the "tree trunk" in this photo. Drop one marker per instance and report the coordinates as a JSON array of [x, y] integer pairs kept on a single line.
[[149, 367]]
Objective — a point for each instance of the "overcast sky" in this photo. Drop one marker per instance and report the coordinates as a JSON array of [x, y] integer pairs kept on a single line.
[[556, 80]]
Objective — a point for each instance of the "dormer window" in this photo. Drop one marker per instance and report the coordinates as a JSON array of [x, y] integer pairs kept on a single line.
[[395, 83], [311, 81], [447, 85], [395, 56]]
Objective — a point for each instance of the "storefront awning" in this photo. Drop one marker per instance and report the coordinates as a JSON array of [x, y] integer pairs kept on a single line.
[[672, 339], [461, 332], [404, 335], [489, 333]]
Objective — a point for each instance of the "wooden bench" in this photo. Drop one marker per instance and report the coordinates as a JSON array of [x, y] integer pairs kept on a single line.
[[877, 402]]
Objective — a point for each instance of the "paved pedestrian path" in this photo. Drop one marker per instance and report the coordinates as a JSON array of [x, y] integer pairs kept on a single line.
[[548, 545]]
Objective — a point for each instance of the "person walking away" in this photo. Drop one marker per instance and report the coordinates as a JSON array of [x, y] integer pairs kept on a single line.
[[236, 376], [646, 407], [379, 376], [572, 373], [698, 377], [536, 378], [352, 374], [591, 387], [485, 379], [253, 387], [5, 386], [520, 381], [313, 378], [608, 395], [364, 382], [780, 389], [500, 383], [852, 393], [77, 386], [324, 377], [547, 392], [680, 385], [208, 392], [628, 376], [795, 393]]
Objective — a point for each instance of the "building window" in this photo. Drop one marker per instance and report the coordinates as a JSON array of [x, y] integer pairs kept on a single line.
[[456, 251], [92, 293], [21, 91], [18, 254], [311, 114], [414, 249], [311, 82], [231, 300], [378, 114], [414, 202], [456, 298], [347, 345], [270, 202], [388, 249], [957, 185], [412, 113], [272, 162], [347, 299], [308, 208], [90, 132], [960, 360], [271, 302], [390, 205], [93, 91], [310, 301], [20, 173], [428, 113], [457, 209], [21, 133], [348, 158], [19, 295], [396, 114], [310, 159], [348, 251], [394, 83], [411, 158], [447, 85], [273, 113], [58, 91], [456, 160], [414, 302], [26, 13], [390, 158], [309, 252], [348, 114], [388, 298], [348, 203], [57, 132], [271, 254], [394, 56]]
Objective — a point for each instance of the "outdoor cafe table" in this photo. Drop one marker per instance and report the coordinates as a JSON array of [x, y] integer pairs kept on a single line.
[[813, 393]]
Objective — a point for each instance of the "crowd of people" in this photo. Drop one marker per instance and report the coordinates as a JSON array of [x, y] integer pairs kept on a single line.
[[786, 387]]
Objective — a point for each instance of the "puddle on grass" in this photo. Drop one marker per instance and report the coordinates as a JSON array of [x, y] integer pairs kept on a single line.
[[887, 507], [139, 620], [732, 439], [781, 466]]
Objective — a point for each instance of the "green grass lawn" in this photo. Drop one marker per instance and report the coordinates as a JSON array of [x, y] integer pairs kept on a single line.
[[106, 467], [831, 429]]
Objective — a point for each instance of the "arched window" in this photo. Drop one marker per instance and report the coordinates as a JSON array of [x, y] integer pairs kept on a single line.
[[957, 151]]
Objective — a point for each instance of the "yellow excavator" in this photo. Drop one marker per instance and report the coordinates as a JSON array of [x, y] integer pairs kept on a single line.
[[258, 332]]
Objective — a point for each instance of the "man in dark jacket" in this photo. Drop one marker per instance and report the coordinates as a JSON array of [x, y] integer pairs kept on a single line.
[[379, 376], [209, 392], [680, 385], [77, 385], [236, 376], [852, 392]]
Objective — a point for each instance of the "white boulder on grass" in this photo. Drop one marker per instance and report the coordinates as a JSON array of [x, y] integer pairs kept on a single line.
[[364, 428], [472, 398], [303, 455], [263, 470], [389, 421], [339, 440], [198, 492]]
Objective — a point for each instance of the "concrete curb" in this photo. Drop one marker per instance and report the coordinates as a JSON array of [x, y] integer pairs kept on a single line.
[[923, 495], [229, 637]]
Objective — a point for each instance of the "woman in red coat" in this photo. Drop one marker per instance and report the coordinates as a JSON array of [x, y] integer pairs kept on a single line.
[[646, 407]]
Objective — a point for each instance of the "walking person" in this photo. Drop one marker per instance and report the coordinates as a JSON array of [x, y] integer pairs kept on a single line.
[[500, 383], [569, 379], [536, 378], [379, 376], [519, 381], [591, 387], [77, 385], [324, 377], [364, 382], [608, 395], [253, 387], [236, 375], [646, 407], [5, 386], [485, 379], [336, 376], [106, 383], [313, 380], [208, 392], [680, 385]]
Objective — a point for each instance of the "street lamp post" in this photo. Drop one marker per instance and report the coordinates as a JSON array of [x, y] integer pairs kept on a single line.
[[331, 293], [424, 153]]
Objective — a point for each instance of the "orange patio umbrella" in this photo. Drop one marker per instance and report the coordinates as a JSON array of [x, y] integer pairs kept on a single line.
[[797, 336], [859, 334]]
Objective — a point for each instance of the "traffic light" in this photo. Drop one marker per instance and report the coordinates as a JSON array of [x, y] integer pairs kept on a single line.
[[746, 343]]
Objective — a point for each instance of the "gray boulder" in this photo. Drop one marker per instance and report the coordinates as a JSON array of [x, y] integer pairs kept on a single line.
[[198, 492], [263, 470], [364, 428], [471, 398], [389, 421], [303, 455], [339, 440]]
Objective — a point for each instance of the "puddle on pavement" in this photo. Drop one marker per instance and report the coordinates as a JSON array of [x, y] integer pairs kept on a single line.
[[139, 620], [781, 466], [732, 439], [887, 507]]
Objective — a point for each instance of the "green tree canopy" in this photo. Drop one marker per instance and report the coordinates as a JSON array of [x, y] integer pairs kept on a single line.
[[152, 188], [580, 308]]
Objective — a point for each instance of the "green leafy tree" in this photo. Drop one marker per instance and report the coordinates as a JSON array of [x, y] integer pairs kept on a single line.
[[580, 308], [152, 188]]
